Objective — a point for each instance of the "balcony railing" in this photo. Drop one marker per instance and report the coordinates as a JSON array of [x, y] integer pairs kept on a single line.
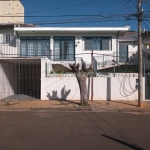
[[8, 51]]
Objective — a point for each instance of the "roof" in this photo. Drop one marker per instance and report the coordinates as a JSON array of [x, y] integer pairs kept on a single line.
[[14, 24], [129, 36], [71, 29], [9, 0]]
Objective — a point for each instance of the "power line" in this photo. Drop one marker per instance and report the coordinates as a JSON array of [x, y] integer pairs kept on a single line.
[[99, 15], [79, 21], [93, 15], [125, 6], [79, 4]]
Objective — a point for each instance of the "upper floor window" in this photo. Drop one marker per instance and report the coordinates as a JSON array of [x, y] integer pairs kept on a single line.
[[64, 48], [35, 46], [7, 38], [97, 43]]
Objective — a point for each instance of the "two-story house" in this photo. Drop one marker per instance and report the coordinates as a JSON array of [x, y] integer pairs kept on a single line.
[[28, 50], [69, 44]]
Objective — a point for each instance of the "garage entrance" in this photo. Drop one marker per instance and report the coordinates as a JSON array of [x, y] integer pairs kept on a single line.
[[147, 81], [20, 79]]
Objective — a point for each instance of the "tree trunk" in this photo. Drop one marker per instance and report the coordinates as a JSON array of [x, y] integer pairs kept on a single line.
[[81, 76], [83, 89]]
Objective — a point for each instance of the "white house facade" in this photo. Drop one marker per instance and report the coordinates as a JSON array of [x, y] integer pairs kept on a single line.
[[27, 52], [69, 44]]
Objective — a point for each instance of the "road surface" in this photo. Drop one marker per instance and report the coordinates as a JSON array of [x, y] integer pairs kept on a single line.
[[74, 131]]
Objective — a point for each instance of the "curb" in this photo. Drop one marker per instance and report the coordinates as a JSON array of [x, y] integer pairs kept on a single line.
[[122, 110], [82, 109], [62, 109]]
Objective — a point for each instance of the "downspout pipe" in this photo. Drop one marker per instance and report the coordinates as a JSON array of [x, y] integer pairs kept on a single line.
[[17, 43], [117, 50]]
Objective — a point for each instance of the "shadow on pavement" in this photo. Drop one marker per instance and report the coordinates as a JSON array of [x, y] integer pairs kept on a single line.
[[20, 97], [124, 143], [8, 104]]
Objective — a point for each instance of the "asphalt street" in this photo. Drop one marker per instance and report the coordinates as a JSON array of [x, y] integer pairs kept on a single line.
[[74, 131]]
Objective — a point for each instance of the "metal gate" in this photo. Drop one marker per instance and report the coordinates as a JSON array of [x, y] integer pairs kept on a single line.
[[147, 81], [20, 80]]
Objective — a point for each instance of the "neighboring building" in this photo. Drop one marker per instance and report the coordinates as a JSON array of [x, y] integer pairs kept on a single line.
[[12, 8], [8, 41], [146, 40], [128, 47], [146, 47]]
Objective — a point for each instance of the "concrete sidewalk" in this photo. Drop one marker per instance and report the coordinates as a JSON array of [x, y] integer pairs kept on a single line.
[[99, 106]]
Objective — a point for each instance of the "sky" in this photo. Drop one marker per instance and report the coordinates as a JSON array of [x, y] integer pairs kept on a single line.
[[84, 13]]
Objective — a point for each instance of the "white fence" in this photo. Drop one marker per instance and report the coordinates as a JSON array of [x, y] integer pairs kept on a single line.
[[105, 88], [65, 87]]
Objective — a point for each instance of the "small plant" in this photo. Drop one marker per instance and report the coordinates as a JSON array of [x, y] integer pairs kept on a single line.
[[59, 72]]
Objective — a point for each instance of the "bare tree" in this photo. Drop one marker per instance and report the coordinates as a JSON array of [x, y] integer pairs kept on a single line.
[[81, 76]]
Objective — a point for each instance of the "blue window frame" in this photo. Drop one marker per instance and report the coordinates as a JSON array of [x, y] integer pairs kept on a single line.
[[64, 48], [35, 46], [97, 43]]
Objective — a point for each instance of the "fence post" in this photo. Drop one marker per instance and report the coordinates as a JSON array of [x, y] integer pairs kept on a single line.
[[92, 76], [103, 61], [144, 69], [46, 69], [19, 80], [114, 68]]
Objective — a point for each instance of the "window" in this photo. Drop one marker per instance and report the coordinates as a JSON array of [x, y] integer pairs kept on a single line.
[[35, 46], [7, 38], [64, 48], [97, 43]]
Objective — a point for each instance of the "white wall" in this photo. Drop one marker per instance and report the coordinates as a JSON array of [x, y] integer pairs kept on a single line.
[[132, 47], [87, 56], [10, 49], [105, 88], [79, 48], [8, 79]]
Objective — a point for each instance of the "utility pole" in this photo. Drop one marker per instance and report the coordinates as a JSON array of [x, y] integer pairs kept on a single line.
[[140, 64], [92, 63]]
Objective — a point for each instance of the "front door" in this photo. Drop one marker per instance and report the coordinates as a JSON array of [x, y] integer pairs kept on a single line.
[[64, 48]]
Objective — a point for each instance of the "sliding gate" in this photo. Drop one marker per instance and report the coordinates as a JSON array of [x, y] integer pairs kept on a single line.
[[20, 80], [147, 81]]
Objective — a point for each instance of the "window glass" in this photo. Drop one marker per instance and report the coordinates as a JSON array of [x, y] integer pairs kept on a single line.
[[30, 49], [23, 48], [35, 46], [39, 48], [46, 46], [97, 43], [88, 43], [46, 38], [39, 38], [64, 48], [23, 38], [105, 44], [57, 49], [7, 38], [31, 38]]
